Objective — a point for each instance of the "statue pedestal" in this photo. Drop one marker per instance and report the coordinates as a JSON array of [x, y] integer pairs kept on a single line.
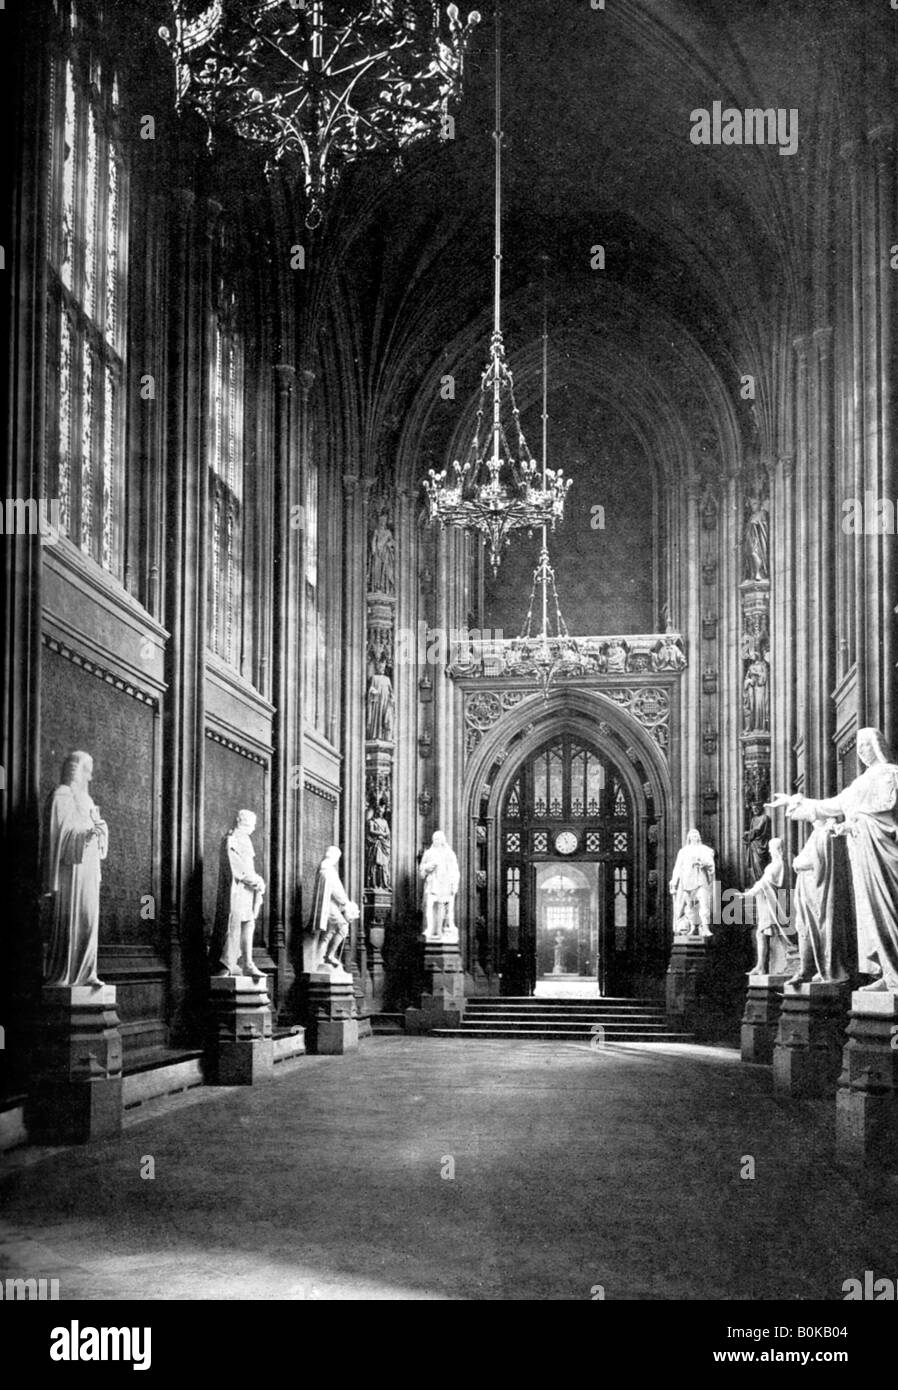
[[241, 1049], [867, 1097], [79, 1092], [761, 1018], [807, 1053], [332, 1027], [443, 1000], [688, 962]]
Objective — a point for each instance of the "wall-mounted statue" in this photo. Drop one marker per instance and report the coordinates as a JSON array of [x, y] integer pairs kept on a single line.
[[381, 558], [756, 839], [772, 912], [691, 886], [76, 840], [332, 912], [756, 697], [377, 849], [439, 870], [756, 540], [668, 654], [869, 808], [821, 907], [379, 705], [240, 893]]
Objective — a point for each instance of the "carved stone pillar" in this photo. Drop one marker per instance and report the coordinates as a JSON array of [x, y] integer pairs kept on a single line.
[[355, 495]]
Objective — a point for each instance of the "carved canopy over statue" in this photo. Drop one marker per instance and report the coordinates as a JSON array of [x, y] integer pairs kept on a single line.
[[868, 810], [76, 839]]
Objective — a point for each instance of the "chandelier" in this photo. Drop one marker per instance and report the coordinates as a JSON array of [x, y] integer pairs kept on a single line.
[[494, 488], [544, 654], [320, 82]]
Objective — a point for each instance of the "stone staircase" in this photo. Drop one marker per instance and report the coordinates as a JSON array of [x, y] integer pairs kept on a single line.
[[609, 1020]]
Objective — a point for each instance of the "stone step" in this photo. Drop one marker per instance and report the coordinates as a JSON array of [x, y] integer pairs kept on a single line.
[[554, 1035]]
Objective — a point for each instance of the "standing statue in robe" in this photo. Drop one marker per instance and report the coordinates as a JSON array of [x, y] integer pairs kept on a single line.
[[439, 870], [379, 704], [821, 905], [869, 809], [756, 697], [76, 840], [381, 558], [377, 850], [240, 893], [772, 911], [756, 839], [691, 885], [332, 912], [757, 538]]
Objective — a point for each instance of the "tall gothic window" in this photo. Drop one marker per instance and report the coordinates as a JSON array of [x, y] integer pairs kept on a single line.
[[87, 200], [225, 603]]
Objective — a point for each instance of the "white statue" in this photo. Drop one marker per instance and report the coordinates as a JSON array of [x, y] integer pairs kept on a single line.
[[772, 913], [869, 809], [691, 885], [332, 911], [76, 840], [240, 893], [821, 904], [439, 870]]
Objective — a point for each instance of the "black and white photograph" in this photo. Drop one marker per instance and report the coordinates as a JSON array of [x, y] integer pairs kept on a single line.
[[449, 764]]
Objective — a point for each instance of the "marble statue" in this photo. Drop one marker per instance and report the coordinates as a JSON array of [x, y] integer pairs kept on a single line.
[[332, 911], [757, 538], [381, 558], [379, 704], [439, 870], [868, 806], [240, 893], [756, 697], [772, 913], [75, 843], [691, 885], [756, 839], [820, 908], [377, 850]]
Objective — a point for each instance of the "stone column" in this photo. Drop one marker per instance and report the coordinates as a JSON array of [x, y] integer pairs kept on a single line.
[[286, 678], [355, 495]]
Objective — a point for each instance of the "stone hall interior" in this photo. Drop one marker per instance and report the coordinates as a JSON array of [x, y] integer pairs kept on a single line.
[[450, 642]]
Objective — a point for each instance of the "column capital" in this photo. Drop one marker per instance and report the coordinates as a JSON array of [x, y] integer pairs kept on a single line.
[[786, 464], [284, 376], [306, 381]]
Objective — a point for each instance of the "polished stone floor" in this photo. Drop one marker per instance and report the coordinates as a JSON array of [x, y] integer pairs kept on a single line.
[[456, 1169]]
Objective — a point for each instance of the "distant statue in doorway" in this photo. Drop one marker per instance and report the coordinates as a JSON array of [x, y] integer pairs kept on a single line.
[[332, 912], [76, 841], [439, 870], [381, 558], [691, 886]]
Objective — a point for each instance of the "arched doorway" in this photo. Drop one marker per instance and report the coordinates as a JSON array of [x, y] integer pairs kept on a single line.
[[567, 872]]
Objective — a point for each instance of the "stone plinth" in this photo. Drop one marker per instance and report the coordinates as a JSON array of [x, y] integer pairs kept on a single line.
[[443, 1000], [807, 1053], [688, 962], [761, 1018], [241, 1050], [867, 1097], [332, 1026], [78, 1095]]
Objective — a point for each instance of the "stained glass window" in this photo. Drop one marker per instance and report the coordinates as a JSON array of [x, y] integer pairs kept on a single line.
[[86, 200]]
